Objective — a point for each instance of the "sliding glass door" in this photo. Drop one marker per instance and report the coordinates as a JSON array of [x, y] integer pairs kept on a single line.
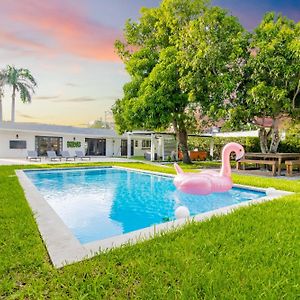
[[48, 143], [96, 147]]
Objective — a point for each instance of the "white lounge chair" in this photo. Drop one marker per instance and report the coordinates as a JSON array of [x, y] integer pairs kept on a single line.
[[32, 155], [79, 154], [67, 156], [52, 155]]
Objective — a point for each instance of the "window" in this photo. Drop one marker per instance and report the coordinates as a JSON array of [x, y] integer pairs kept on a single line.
[[136, 144], [17, 144], [146, 143]]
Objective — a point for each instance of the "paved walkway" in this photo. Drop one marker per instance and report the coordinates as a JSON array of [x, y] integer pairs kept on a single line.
[[23, 161], [259, 173]]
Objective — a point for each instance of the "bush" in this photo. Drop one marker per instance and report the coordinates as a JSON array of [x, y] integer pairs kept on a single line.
[[251, 144], [292, 141]]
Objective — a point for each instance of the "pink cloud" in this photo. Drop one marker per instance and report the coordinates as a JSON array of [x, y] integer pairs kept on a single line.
[[11, 39], [62, 27]]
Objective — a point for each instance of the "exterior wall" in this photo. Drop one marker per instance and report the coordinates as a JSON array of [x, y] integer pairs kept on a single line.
[[112, 148], [139, 150], [69, 138], [117, 147], [7, 136]]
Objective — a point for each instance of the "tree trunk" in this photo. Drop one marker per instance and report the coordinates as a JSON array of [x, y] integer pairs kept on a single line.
[[182, 136], [275, 137], [263, 140], [13, 105]]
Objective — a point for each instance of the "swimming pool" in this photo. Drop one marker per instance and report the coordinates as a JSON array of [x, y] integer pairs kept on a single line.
[[98, 203]]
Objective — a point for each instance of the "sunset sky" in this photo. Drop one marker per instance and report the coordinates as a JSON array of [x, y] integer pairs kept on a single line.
[[68, 46]]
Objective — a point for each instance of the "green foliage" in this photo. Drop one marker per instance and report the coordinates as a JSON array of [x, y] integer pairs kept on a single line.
[[251, 144], [22, 81], [178, 58], [73, 144], [273, 68], [291, 144], [248, 253], [270, 78], [292, 140]]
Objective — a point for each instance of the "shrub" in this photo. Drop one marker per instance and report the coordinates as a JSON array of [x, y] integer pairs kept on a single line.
[[251, 144]]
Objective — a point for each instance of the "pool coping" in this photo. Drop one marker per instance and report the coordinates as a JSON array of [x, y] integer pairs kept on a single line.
[[63, 247]]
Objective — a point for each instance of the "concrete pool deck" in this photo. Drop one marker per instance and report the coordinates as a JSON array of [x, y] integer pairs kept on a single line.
[[24, 161], [64, 248]]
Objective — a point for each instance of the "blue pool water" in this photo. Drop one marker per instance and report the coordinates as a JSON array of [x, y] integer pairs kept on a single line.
[[104, 202]]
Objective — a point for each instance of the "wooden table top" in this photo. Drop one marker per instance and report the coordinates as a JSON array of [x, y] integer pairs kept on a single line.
[[273, 155]]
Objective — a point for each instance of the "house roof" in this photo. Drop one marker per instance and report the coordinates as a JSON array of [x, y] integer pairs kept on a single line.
[[58, 129]]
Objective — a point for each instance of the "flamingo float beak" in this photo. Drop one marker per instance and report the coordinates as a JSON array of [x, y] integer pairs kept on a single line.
[[239, 156]]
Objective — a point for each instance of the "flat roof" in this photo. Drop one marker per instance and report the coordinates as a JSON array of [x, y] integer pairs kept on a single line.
[[57, 129]]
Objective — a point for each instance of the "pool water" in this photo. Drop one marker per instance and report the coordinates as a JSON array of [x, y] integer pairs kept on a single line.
[[98, 203]]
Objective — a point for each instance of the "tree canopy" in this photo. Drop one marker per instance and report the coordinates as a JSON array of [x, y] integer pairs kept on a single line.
[[269, 87], [179, 57]]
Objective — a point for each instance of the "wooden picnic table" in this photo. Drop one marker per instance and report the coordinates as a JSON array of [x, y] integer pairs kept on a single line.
[[279, 157]]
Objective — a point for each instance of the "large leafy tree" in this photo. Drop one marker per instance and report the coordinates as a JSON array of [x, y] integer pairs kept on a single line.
[[21, 81], [270, 86], [176, 55]]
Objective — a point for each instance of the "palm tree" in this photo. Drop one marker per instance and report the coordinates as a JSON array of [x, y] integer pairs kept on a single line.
[[21, 81], [2, 82]]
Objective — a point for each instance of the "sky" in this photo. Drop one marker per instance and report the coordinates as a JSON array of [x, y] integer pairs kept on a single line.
[[68, 45]]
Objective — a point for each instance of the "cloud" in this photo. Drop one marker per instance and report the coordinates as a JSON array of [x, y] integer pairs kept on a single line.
[[46, 97], [77, 100], [62, 26], [72, 84], [12, 41], [109, 97]]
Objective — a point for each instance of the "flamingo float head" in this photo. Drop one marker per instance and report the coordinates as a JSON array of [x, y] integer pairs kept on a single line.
[[234, 147], [227, 149]]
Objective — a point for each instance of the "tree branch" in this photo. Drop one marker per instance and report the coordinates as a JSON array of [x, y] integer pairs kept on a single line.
[[296, 93]]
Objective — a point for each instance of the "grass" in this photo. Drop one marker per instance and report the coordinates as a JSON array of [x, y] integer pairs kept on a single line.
[[249, 254]]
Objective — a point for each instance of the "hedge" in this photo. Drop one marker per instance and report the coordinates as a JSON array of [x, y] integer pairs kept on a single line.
[[251, 144]]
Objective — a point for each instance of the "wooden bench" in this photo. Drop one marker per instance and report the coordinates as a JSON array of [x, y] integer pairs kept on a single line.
[[289, 166], [257, 162]]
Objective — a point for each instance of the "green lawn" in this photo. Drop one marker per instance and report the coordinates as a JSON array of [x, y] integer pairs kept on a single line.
[[252, 253]]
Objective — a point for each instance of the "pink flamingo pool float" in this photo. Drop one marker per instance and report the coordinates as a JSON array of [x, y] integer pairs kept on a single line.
[[208, 181]]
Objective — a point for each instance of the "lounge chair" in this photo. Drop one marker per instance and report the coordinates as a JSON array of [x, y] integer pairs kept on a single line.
[[67, 156], [52, 155], [32, 155], [79, 154]]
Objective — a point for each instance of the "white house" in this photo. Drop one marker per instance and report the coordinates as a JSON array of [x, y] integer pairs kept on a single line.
[[18, 138]]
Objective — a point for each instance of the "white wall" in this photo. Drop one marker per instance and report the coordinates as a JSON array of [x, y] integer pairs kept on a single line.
[[139, 151], [5, 137], [112, 148], [70, 138], [117, 147]]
